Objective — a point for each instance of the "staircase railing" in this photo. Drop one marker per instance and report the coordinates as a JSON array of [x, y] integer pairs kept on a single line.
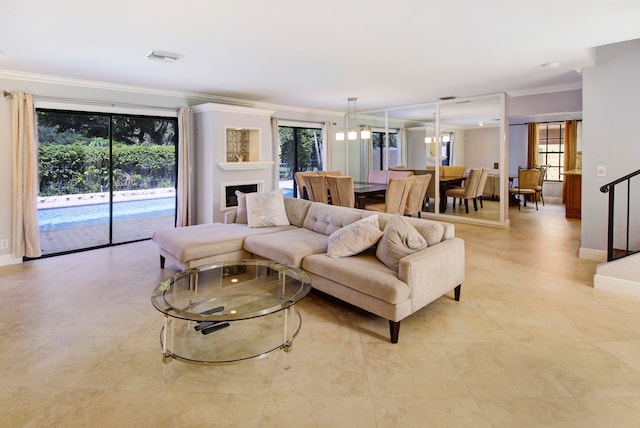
[[610, 188]]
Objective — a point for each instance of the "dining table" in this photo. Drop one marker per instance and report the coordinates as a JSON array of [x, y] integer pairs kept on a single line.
[[363, 190]]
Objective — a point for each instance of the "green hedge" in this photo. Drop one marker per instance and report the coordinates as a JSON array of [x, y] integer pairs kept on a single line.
[[82, 168]]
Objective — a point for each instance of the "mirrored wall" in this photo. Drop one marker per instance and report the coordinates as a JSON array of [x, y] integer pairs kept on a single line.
[[450, 140]]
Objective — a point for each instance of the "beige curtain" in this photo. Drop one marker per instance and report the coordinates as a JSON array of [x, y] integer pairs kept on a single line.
[[570, 144], [183, 217], [26, 236], [275, 149], [401, 140], [532, 147], [327, 129]]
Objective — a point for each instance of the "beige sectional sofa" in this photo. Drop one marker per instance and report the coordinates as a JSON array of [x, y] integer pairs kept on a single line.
[[362, 279]]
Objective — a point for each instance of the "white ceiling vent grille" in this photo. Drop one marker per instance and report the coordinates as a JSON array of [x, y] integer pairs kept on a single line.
[[163, 56]]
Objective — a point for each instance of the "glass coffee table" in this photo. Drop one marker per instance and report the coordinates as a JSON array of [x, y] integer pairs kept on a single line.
[[230, 311]]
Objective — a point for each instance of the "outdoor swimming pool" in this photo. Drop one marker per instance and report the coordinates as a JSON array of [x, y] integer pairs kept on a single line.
[[87, 215]]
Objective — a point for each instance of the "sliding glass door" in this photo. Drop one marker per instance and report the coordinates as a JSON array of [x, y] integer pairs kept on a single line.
[[300, 150], [104, 179]]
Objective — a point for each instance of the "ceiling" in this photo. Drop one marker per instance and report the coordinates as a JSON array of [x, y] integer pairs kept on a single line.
[[292, 53]]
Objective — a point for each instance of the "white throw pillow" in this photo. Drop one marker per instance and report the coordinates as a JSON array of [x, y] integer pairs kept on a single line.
[[241, 210], [399, 239], [354, 238], [266, 209]]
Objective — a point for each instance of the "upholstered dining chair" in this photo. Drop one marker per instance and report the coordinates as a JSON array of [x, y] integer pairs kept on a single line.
[[417, 193], [341, 190], [378, 176], [302, 186], [399, 174], [543, 175], [395, 199], [527, 184], [317, 188], [468, 191], [431, 187], [480, 188]]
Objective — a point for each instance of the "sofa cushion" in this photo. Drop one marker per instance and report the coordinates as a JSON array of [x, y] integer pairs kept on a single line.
[[204, 240], [362, 272], [297, 210], [354, 238], [326, 219], [432, 231], [288, 247], [241, 210], [266, 209], [398, 240]]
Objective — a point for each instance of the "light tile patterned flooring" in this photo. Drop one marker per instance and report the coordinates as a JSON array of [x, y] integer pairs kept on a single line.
[[531, 343]]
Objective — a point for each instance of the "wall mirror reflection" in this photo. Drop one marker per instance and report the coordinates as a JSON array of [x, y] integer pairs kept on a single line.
[[448, 140]]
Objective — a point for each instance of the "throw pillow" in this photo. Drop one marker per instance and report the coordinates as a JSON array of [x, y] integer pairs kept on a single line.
[[354, 238], [266, 209], [398, 240], [241, 210]]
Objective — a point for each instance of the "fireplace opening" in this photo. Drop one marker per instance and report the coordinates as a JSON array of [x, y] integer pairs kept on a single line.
[[231, 200]]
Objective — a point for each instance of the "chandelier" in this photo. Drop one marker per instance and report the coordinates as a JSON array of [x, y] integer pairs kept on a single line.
[[351, 134]]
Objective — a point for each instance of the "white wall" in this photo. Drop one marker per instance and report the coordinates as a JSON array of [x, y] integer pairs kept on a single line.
[[481, 148], [611, 93]]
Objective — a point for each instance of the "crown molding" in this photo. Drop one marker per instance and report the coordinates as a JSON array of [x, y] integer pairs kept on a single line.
[[545, 90], [198, 96]]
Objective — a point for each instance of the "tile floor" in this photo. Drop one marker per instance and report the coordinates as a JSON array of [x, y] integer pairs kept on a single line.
[[530, 344]]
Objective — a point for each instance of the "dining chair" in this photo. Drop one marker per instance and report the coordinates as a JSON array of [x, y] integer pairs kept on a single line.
[[341, 190], [399, 174], [431, 187], [299, 177], [480, 188], [378, 176], [417, 193], [452, 170], [395, 198], [527, 184], [543, 175], [317, 188], [468, 191]]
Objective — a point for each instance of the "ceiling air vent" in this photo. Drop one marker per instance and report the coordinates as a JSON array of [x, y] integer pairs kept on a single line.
[[163, 56]]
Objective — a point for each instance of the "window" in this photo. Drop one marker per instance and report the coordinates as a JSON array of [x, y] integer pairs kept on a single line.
[[551, 149], [377, 143], [104, 178]]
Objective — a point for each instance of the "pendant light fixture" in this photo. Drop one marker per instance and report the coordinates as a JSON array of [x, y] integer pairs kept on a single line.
[[351, 134]]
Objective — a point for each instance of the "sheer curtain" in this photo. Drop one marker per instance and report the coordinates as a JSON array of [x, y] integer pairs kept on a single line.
[[401, 146], [26, 236], [532, 147], [183, 217], [275, 149], [327, 129]]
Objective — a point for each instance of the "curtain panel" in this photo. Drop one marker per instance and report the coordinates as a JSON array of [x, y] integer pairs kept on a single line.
[[183, 217], [570, 150], [275, 153], [327, 129], [26, 236], [532, 144]]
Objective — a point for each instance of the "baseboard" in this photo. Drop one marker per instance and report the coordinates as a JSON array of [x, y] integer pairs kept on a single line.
[[616, 285], [591, 254], [9, 260]]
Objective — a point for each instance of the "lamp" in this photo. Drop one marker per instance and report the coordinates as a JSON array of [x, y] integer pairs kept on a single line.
[[351, 134]]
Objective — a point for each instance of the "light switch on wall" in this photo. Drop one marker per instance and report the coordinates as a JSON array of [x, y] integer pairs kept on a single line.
[[602, 170]]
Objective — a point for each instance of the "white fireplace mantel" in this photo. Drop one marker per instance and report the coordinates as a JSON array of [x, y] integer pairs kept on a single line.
[[238, 166]]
